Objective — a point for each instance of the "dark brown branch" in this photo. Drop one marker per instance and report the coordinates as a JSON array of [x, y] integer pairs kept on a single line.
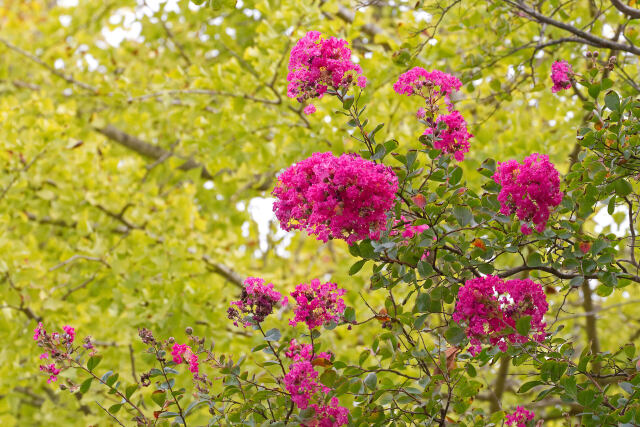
[[146, 149], [626, 9], [587, 37], [224, 271]]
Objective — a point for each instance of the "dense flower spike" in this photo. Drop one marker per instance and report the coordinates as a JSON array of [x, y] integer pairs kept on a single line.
[[519, 417], [256, 302], [490, 308], [301, 382], [453, 138], [318, 63], [317, 303], [561, 73], [529, 190], [332, 197], [183, 353]]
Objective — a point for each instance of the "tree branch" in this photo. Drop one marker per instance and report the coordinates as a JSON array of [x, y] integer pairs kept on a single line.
[[626, 9]]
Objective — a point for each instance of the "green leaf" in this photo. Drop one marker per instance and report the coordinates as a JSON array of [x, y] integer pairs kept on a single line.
[[612, 101], [272, 335], [86, 385], [130, 390], [371, 380], [115, 408], [529, 385], [534, 260], [523, 325], [454, 335], [623, 187], [347, 102], [357, 266], [463, 215], [93, 362]]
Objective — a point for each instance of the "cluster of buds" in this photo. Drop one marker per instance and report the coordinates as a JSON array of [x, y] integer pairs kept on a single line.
[[57, 347]]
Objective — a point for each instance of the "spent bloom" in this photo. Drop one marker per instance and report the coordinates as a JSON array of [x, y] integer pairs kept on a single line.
[[450, 134], [519, 417], [489, 307], [183, 353], [344, 197], [561, 73], [317, 64], [317, 303], [256, 302], [529, 189]]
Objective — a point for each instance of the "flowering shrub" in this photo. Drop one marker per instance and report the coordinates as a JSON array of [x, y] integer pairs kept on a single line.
[[492, 308], [441, 260], [332, 197], [529, 189]]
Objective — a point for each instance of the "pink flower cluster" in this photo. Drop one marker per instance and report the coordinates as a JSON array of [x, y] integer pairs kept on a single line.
[[317, 304], [408, 230], [318, 63], [449, 131], [57, 346], [344, 197], [301, 382], [561, 73], [257, 302], [490, 308], [427, 84], [183, 353], [519, 417], [529, 190], [453, 138]]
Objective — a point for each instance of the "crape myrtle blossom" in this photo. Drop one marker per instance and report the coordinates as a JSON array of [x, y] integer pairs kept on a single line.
[[307, 392], [529, 189], [489, 308], [431, 85], [317, 64], [317, 304], [519, 417], [57, 346], [561, 73], [344, 197], [404, 227], [183, 353], [256, 302], [450, 134]]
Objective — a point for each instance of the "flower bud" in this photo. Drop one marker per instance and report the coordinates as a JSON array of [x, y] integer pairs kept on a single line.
[[172, 340], [189, 330]]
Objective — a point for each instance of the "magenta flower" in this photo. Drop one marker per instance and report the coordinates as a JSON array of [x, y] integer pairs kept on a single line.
[[561, 73], [344, 197], [430, 85], [317, 304], [38, 332], [183, 353], [530, 190], [404, 226], [52, 371], [318, 63], [298, 352], [71, 333], [454, 138], [256, 302], [309, 109], [331, 415], [301, 383], [490, 307], [519, 417]]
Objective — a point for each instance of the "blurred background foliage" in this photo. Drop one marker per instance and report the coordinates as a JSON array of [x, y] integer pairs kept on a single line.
[[140, 141]]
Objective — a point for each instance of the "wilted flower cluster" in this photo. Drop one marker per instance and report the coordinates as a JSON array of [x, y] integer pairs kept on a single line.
[[183, 353], [257, 302], [332, 197], [450, 134], [57, 346], [306, 391], [561, 73], [489, 307], [317, 304], [530, 190], [447, 132], [519, 417], [318, 63]]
